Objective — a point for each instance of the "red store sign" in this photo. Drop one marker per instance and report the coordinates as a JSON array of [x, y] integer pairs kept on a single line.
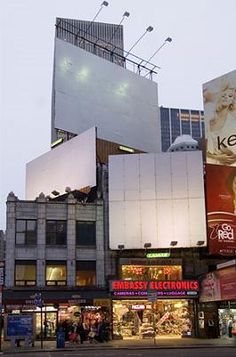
[[177, 288]]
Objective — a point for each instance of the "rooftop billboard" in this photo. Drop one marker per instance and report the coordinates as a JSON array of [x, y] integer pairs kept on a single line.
[[72, 164], [157, 199], [220, 120], [91, 91]]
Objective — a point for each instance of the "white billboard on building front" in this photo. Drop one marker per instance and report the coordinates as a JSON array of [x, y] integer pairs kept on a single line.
[[72, 164], [91, 91], [157, 199], [220, 119]]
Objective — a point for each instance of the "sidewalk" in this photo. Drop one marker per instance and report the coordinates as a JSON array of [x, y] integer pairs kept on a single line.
[[159, 343]]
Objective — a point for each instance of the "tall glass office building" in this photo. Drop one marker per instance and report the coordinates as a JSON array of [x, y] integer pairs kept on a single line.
[[176, 122]]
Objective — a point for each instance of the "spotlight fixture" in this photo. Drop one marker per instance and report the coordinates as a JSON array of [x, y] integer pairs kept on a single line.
[[200, 242], [147, 245], [148, 29], [121, 246], [125, 15], [173, 243], [104, 3], [168, 39], [55, 193]]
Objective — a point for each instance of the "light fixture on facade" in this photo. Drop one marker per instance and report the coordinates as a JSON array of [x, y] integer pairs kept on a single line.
[[147, 245], [168, 39], [200, 242], [148, 29], [56, 143], [125, 148], [55, 193], [173, 243], [121, 246]]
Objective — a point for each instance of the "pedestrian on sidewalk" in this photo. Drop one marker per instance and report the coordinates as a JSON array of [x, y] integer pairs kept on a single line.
[[230, 327], [81, 332]]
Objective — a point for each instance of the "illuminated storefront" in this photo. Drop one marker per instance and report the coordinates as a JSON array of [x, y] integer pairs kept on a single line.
[[139, 319], [58, 307], [153, 308]]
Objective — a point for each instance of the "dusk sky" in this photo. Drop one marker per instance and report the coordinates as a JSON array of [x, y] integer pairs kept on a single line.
[[202, 48]]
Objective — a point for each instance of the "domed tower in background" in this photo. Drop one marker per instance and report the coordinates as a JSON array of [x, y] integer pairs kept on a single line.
[[184, 143]]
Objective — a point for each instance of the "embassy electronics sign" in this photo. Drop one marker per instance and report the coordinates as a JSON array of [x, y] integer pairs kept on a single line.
[[179, 288], [221, 209]]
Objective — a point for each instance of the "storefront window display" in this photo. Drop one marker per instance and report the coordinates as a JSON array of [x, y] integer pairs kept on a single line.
[[151, 272], [139, 319], [90, 316], [227, 322]]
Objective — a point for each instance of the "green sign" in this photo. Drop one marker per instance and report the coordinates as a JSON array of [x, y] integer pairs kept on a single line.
[[158, 255]]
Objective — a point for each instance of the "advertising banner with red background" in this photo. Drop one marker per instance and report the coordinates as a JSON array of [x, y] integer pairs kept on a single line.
[[219, 285], [221, 208]]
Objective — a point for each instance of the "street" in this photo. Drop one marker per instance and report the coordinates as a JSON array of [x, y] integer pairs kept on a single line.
[[186, 352]]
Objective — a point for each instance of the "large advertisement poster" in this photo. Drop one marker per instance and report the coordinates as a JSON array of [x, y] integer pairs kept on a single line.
[[221, 209], [220, 120], [219, 285]]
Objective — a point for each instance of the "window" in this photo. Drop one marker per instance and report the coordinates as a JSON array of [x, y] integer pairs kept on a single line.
[[25, 273], [151, 272], [56, 233], [86, 233], [55, 273], [86, 273], [26, 232]]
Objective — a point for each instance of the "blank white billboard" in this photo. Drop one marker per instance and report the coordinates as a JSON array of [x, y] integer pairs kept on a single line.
[[90, 91], [156, 198], [71, 164]]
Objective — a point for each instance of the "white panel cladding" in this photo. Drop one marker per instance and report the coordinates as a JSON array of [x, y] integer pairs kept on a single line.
[[147, 182], [148, 221], [165, 226], [163, 176], [124, 104], [71, 164], [197, 221], [194, 175], [132, 231], [181, 222], [179, 176], [131, 177], [166, 202], [118, 179], [117, 222]]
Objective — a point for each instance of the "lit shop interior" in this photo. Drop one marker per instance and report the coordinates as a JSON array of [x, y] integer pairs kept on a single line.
[[140, 318], [226, 315], [51, 316]]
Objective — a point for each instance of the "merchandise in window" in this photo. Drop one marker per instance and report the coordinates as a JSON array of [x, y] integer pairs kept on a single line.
[[86, 233], [151, 272], [56, 233], [25, 273], [56, 273], [86, 273], [26, 232]]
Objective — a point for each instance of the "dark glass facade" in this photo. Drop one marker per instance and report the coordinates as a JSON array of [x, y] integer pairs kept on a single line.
[[176, 122]]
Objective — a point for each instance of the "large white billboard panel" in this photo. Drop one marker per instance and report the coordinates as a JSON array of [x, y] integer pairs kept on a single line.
[[71, 164], [90, 91], [150, 216], [220, 119]]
